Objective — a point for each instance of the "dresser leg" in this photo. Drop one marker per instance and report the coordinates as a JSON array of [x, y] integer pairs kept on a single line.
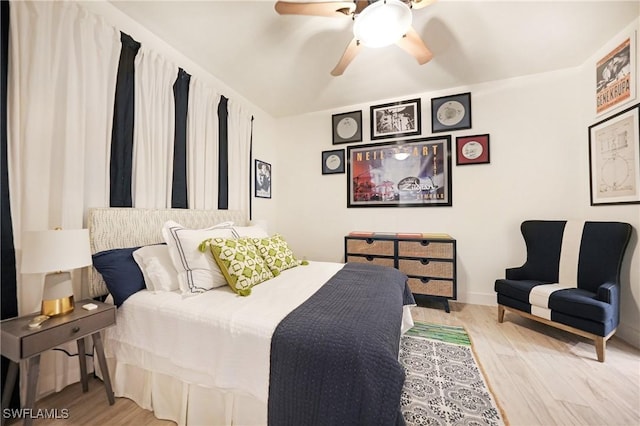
[[9, 384], [97, 342], [446, 306], [32, 384], [82, 357]]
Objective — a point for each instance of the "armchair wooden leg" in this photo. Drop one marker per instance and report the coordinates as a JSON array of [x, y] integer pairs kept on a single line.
[[500, 314], [601, 343]]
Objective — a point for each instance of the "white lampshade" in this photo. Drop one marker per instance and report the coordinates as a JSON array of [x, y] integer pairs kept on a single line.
[[55, 250], [382, 23]]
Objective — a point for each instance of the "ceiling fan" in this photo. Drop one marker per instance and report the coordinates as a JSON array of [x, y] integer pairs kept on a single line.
[[377, 23]]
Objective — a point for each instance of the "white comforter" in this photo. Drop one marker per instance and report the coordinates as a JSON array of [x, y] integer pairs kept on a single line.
[[215, 339]]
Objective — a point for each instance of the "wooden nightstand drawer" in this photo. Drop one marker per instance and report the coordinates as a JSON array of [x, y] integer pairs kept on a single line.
[[431, 287], [370, 246], [428, 268], [54, 336], [425, 248], [382, 261]]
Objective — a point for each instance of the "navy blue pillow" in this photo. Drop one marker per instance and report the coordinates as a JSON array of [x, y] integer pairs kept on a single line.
[[120, 272]]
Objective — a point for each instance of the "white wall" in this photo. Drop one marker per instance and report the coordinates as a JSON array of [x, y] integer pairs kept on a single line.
[[539, 170]]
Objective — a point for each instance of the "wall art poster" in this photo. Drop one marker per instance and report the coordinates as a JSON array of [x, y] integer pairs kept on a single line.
[[614, 159], [411, 173], [614, 76], [263, 179]]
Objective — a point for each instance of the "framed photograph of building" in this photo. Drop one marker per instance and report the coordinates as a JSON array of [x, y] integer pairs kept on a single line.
[[616, 75], [410, 173], [396, 119], [263, 179], [614, 159]]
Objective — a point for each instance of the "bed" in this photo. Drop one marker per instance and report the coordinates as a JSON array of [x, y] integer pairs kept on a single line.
[[316, 343]]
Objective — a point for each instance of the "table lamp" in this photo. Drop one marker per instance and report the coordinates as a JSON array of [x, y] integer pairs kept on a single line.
[[54, 253]]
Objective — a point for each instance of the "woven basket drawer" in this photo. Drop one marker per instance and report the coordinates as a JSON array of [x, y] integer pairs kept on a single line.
[[425, 248], [369, 246], [382, 261], [426, 268], [431, 287]]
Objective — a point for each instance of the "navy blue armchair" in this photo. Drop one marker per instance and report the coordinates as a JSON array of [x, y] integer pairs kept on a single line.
[[571, 278]]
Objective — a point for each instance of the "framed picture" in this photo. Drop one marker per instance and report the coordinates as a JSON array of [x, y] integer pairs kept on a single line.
[[614, 159], [333, 162], [411, 173], [263, 179], [347, 127], [616, 75], [396, 119], [472, 150], [451, 113]]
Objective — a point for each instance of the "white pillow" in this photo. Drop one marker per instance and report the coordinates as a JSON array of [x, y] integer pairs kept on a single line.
[[197, 271], [250, 232], [157, 268]]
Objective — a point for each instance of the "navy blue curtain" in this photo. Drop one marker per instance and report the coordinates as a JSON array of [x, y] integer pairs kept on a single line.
[[223, 152], [181, 98], [250, 180], [121, 165], [9, 291]]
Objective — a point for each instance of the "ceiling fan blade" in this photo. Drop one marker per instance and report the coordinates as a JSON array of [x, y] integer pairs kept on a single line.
[[350, 52], [413, 45], [419, 4], [330, 9]]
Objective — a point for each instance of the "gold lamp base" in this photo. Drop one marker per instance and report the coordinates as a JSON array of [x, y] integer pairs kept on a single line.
[[57, 297], [52, 308]]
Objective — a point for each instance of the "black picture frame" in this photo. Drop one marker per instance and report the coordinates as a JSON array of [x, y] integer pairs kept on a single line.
[[262, 180], [333, 162], [346, 127], [472, 150], [450, 113], [614, 159], [407, 173], [396, 119]]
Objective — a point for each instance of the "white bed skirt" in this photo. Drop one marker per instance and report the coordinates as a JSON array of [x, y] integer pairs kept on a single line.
[[188, 402], [184, 403]]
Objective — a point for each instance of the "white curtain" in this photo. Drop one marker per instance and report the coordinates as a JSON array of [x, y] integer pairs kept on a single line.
[[202, 146], [62, 73], [154, 130], [239, 146]]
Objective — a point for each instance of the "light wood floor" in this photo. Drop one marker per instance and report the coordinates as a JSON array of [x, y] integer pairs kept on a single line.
[[539, 376]]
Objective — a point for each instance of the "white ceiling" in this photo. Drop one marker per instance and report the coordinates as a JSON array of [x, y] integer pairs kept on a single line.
[[282, 63]]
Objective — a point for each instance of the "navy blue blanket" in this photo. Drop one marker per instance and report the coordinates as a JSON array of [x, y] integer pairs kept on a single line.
[[334, 360]]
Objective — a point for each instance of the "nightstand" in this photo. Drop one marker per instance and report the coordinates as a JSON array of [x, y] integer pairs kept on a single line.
[[20, 343]]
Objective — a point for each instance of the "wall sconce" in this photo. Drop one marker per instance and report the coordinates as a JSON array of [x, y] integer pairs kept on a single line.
[[55, 253]]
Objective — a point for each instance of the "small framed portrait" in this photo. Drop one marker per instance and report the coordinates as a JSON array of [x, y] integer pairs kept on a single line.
[[451, 113], [347, 127], [263, 179], [333, 162], [472, 150], [396, 119]]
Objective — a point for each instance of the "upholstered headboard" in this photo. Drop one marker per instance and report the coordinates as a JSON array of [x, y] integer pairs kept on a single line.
[[111, 228]]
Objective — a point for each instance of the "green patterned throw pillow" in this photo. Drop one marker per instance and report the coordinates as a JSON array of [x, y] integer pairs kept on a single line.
[[276, 253], [239, 262]]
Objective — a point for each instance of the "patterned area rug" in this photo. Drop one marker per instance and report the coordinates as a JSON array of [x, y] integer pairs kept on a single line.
[[444, 384]]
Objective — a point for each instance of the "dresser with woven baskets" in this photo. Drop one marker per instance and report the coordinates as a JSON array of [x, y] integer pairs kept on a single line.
[[429, 260]]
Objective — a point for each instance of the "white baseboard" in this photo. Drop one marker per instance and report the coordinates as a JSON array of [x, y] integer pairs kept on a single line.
[[629, 334]]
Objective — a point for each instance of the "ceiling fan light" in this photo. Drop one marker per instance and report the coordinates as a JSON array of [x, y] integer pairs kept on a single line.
[[382, 23]]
